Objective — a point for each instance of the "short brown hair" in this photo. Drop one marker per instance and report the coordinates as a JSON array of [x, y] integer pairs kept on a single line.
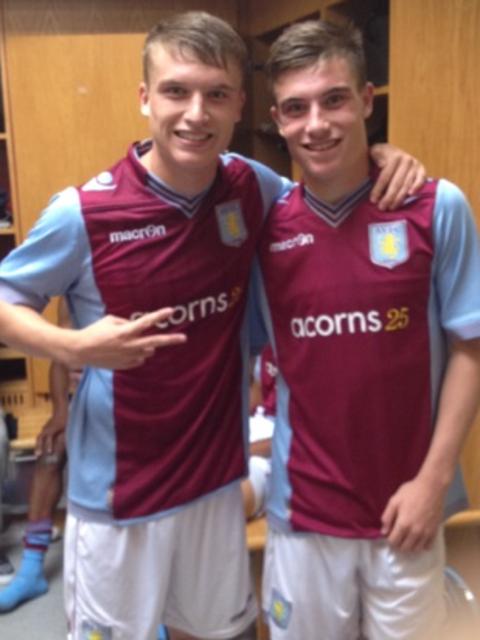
[[207, 38], [304, 43]]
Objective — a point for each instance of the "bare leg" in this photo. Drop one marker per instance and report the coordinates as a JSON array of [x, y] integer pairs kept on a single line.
[[47, 487], [30, 581]]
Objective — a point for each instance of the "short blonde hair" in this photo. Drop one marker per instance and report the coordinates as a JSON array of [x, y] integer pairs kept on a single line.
[[201, 35]]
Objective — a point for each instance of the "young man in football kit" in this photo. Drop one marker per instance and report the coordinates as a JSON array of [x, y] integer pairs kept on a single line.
[[375, 319], [155, 530]]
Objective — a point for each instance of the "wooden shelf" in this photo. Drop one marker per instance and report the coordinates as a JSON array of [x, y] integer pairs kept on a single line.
[[10, 354], [7, 231], [3, 136], [381, 91], [15, 394], [467, 518], [21, 444], [268, 37]]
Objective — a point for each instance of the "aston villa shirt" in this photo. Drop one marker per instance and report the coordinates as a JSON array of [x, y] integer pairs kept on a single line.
[[360, 305], [146, 441]]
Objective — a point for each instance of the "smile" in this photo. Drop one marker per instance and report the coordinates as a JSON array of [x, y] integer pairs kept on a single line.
[[192, 136], [321, 146]]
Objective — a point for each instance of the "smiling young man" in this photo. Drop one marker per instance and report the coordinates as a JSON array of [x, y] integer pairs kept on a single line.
[[155, 530], [375, 319]]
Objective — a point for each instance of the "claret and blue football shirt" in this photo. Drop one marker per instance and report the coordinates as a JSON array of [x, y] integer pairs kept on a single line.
[[361, 305], [148, 440]]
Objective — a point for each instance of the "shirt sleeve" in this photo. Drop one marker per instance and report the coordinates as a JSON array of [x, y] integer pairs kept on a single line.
[[272, 185], [457, 263], [50, 259], [256, 321]]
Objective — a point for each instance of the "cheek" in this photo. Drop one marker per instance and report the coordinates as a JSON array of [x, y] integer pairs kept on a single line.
[[291, 130], [353, 120]]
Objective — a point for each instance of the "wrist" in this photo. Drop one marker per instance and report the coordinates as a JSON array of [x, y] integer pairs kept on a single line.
[[68, 348], [439, 477], [60, 416]]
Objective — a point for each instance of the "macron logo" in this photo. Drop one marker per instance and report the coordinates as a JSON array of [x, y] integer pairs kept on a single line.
[[142, 233], [298, 241]]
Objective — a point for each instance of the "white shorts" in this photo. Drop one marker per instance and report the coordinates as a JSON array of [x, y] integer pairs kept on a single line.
[[317, 586], [260, 426], [189, 570], [259, 471]]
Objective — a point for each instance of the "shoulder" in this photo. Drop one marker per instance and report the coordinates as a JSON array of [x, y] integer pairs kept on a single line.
[[108, 184], [289, 203], [449, 194], [272, 185], [452, 209], [62, 210]]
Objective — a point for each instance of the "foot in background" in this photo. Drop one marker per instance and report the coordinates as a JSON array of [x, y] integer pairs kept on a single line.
[[28, 583]]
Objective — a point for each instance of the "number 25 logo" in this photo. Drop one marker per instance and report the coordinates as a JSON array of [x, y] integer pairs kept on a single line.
[[397, 319]]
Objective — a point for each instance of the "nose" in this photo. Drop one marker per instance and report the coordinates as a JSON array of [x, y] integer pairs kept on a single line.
[[196, 110], [317, 121]]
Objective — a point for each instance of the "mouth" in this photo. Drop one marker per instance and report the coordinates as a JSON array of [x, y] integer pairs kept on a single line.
[[194, 136], [325, 145]]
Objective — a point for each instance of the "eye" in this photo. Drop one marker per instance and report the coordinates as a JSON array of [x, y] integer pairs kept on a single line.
[[218, 94], [293, 108], [335, 100], [174, 91]]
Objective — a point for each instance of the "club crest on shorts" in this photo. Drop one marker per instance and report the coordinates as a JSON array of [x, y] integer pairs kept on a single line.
[[388, 242], [280, 610], [231, 224], [94, 631]]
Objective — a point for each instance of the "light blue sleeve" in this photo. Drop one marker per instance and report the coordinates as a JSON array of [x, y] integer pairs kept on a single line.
[[272, 185], [457, 263], [51, 258], [256, 320]]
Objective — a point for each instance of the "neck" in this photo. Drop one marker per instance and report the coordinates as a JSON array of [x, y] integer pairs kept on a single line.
[[184, 181], [333, 188]]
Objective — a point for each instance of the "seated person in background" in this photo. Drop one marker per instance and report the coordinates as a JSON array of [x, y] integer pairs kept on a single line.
[[262, 420], [47, 486], [6, 568]]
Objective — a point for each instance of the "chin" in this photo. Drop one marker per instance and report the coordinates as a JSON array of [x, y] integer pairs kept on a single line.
[[196, 158], [322, 172]]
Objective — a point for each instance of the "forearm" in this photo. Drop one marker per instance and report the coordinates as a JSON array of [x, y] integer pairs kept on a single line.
[[110, 343], [458, 403], [25, 329]]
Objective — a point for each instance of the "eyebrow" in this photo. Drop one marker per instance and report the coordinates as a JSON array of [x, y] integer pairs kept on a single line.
[[179, 83], [300, 98]]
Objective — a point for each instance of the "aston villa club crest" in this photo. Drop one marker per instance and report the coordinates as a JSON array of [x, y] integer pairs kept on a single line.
[[280, 610], [94, 631], [388, 243], [231, 224]]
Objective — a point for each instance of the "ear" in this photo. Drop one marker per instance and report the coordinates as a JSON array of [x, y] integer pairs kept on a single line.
[[276, 118], [144, 99], [367, 97]]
